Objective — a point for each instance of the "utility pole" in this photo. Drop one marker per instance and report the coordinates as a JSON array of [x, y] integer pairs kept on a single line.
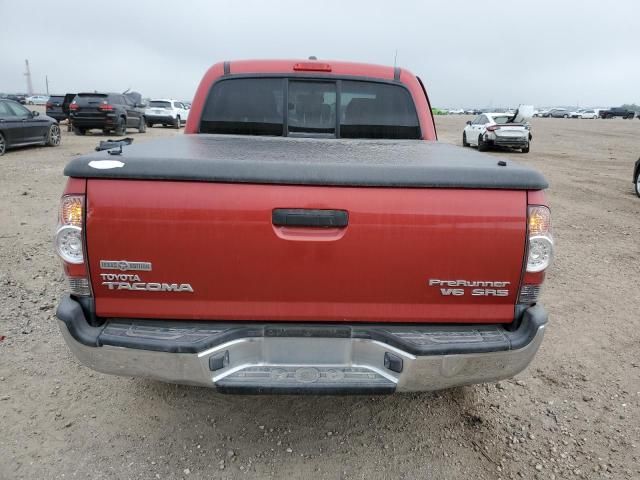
[[27, 74], [395, 58]]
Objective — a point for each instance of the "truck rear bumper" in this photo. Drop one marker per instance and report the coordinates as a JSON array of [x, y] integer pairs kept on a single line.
[[244, 357]]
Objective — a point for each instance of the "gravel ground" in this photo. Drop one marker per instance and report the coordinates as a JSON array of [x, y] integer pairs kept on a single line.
[[573, 414]]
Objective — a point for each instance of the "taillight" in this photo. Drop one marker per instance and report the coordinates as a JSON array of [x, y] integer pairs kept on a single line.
[[493, 128], [69, 243], [49, 105], [73, 106], [540, 251], [105, 107], [540, 247]]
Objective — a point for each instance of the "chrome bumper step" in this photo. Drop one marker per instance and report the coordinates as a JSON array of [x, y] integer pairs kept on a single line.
[[286, 379], [243, 357]]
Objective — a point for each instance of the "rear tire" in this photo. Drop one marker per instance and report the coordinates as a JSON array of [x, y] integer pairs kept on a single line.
[[464, 139], [482, 146], [121, 127], [149, 124], [142, 125], [526, 149], [566, 116], [178, 121], [53, 136], [79, 131], [637, 184], [3, 144]]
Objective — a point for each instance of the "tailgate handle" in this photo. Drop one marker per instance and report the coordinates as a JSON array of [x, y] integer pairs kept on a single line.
[[301, 217]]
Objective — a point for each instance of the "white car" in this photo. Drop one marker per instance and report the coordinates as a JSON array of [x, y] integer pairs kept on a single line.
[[37, 100], [540, 113], [589, 114], [496, 129], [166, 112]]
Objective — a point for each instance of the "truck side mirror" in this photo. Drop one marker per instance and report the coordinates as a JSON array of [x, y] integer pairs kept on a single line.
[[468, 122]]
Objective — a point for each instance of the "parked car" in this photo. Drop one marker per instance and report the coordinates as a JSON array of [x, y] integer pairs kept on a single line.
[[456, 111], [617, 112], [37, 100], [540, 113], [589, 114], [58, 106], [496, 130], [231, 259], [558, 113], [109, 112], [19, 127], [21, 99], [166, 112], [576, 113], [54, 107], [636, 177]]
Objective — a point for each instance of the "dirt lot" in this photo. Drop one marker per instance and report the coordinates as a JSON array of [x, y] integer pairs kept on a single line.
[[573, 414]]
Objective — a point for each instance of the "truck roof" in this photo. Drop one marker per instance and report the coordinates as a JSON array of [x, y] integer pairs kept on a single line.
[[337, 67]]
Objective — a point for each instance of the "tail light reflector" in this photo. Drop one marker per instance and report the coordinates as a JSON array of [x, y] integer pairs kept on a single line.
[[529, 294], [49, 105], [73, 106], [493, 128], [79, 286]]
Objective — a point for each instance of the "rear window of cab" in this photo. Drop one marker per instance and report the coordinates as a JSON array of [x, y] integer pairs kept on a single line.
[[309, 107]]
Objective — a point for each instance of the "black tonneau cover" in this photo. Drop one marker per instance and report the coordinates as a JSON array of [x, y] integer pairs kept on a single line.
[[306, 161]]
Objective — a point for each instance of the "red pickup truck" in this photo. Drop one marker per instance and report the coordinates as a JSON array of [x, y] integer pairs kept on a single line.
[[307, 234]]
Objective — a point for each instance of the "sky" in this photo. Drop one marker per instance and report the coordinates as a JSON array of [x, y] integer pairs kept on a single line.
[[488, 53]]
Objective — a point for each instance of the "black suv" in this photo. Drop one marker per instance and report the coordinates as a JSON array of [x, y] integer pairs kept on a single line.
[[58, 106], [110, 112]]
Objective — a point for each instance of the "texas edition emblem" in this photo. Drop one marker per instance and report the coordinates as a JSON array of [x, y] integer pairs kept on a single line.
[[124, 265]]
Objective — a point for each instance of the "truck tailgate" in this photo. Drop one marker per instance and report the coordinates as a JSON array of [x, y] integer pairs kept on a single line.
[[198, 250]]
